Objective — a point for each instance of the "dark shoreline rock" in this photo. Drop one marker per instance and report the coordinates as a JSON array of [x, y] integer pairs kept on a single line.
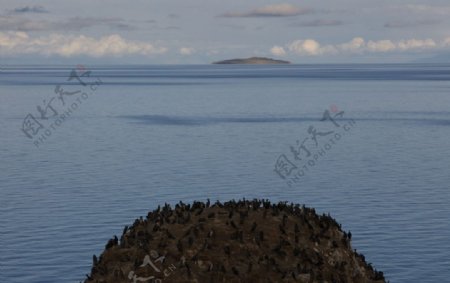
[[235, 241], [253, 60]]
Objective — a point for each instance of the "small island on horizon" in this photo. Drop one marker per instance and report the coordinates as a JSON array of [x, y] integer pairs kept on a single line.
[[253, 60]]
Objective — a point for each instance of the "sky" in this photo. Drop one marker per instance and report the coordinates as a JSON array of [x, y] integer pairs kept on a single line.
[[203, 31]]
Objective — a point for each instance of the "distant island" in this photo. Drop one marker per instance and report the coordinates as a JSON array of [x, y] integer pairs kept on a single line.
[[253, 60]]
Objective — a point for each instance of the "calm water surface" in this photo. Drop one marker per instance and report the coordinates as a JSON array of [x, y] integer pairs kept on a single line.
[[154, 134]]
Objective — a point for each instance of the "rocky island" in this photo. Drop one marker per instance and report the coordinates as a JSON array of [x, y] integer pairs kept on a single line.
[[253, 60], [236, 241]]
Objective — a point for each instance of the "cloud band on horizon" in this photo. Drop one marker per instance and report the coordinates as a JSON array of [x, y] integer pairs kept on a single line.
[[16, 43], [358, 45]]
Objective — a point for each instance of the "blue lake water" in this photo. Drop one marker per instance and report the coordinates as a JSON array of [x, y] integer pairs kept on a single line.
[[147, 135]]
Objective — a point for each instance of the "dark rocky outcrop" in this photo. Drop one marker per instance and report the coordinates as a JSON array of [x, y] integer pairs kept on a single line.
[[236, 241]]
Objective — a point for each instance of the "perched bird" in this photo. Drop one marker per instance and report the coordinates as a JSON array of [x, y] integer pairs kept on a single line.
[[253, 227]]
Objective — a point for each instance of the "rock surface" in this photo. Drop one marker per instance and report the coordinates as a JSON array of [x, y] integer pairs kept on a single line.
[[236, 241]]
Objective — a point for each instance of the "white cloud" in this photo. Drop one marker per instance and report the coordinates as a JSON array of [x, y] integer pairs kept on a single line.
[[417, 44], [276, 10], [355, 45], [186, 50], [308, 47], [447, 41], [278, 51], [13, 43], [380, 46], [311, 47]]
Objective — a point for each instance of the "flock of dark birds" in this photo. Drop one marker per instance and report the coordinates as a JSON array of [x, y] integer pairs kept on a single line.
[[236, 241]]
